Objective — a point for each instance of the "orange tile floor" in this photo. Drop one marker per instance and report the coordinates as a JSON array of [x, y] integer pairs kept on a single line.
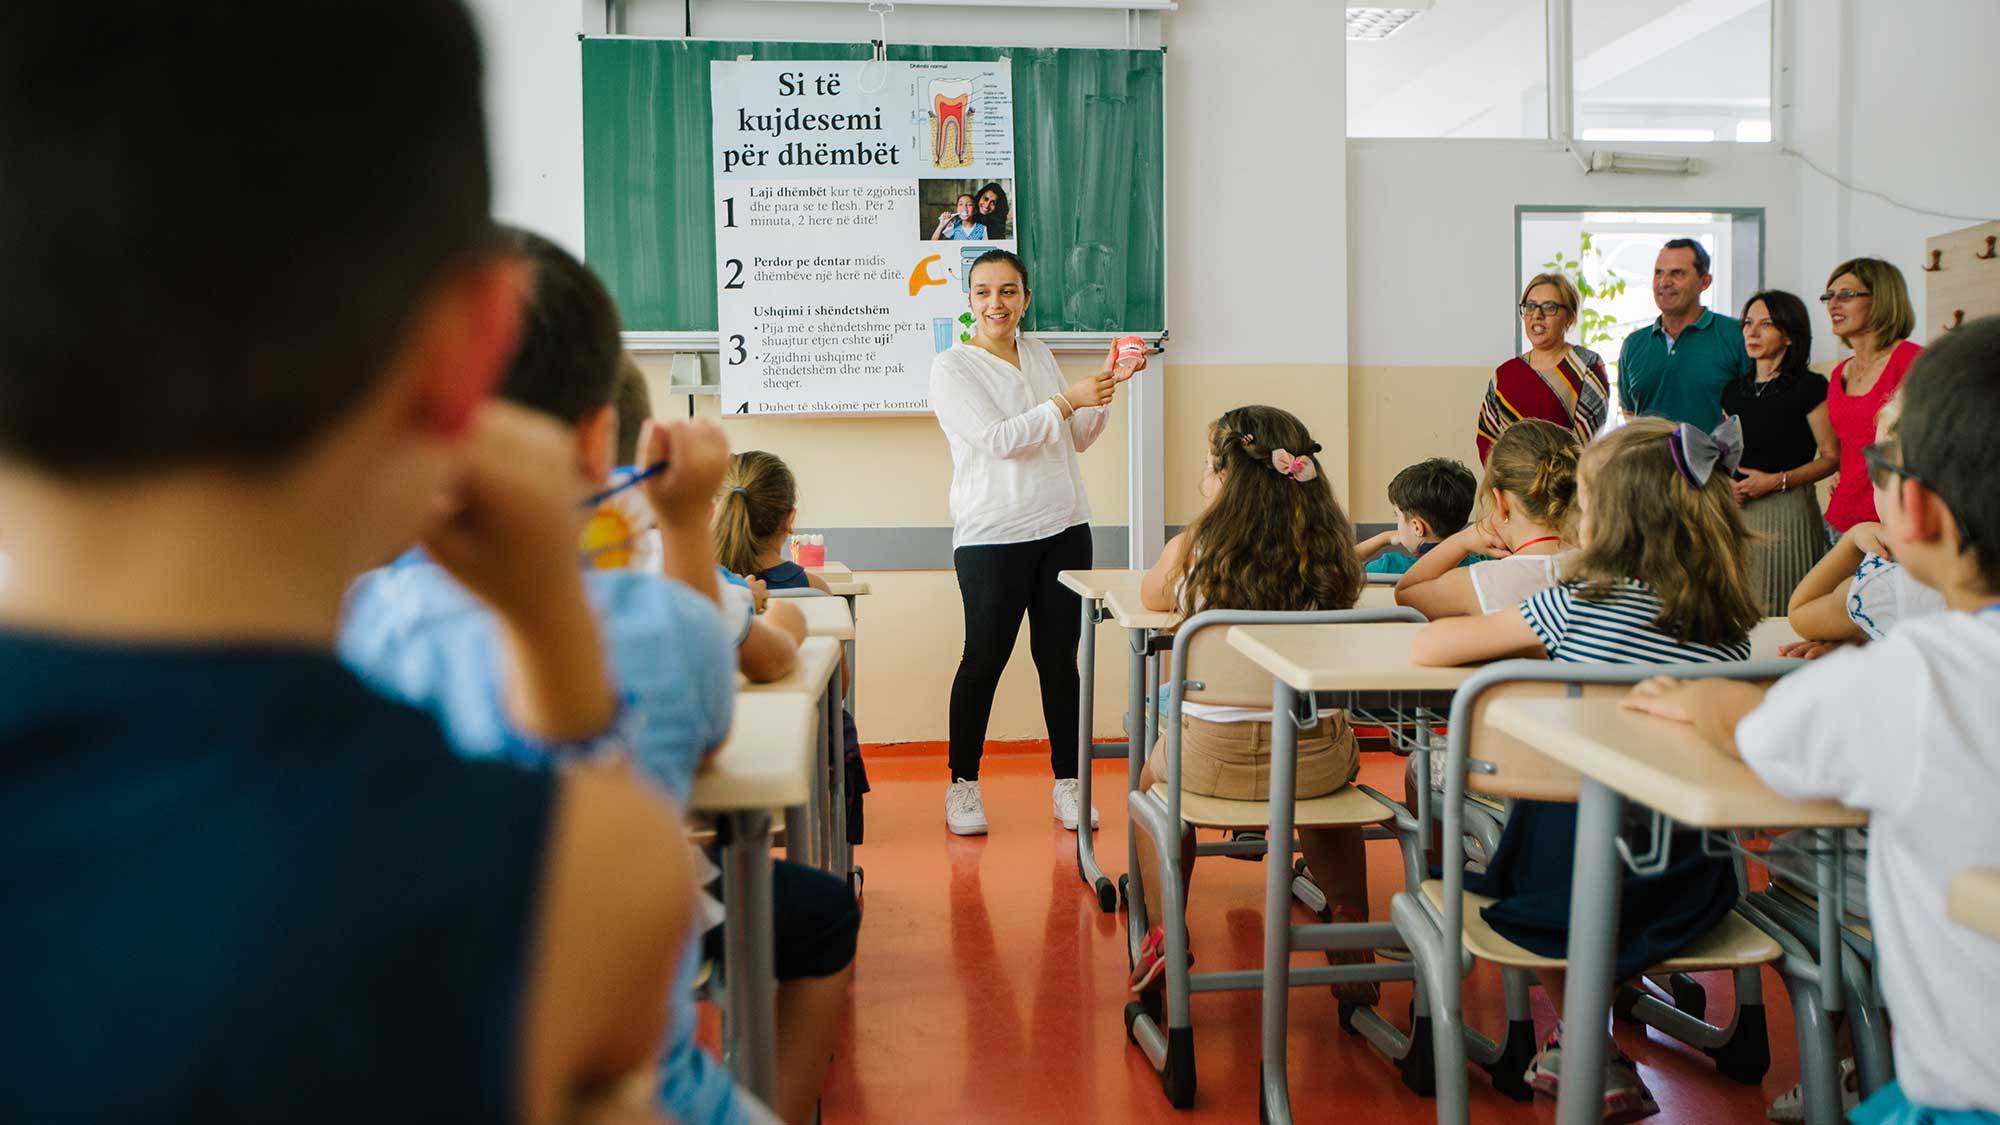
[[990, 988]]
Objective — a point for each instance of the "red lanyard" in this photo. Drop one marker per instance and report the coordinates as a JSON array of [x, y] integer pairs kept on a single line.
[[1532, 542]]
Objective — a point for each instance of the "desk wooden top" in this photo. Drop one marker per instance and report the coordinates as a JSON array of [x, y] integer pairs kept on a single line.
[[1973, 900], [1659, 763], [1376, 596], [840, 581], [1769, 635], [818, 658], [767, 763], [1095, 584], [1343, 657], [1130, 613], [825, 617]]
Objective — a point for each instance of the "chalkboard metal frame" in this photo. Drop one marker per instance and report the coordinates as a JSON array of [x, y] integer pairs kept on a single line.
[[701, 219]]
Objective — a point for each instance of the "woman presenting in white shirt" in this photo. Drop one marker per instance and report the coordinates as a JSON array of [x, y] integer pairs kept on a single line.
[[1019, 517]]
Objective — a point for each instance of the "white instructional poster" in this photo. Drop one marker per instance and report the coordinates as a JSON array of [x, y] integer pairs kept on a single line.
[[849, 206]]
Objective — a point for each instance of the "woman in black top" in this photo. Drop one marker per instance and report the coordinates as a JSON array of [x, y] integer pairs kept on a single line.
[[1787, 446]]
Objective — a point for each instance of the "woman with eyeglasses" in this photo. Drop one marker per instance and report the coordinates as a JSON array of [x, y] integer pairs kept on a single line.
[[1788, 445], [1554, 380], [1869, 307]]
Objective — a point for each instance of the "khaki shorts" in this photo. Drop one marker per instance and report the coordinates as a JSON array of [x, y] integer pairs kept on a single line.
[[1233, 760]]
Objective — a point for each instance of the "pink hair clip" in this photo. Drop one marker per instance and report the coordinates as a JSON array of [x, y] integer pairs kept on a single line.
[[1299, 468]]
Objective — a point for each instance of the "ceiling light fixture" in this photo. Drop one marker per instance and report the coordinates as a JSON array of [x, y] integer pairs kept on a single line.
[[1369, 23]]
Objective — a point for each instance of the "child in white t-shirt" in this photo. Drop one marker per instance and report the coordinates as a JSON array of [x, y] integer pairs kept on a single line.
[[1857, 592], [1906, 729]]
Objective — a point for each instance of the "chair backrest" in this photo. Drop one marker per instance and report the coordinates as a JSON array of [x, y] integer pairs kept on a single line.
[[1512, 768], [1202, 653], [1228, 678]]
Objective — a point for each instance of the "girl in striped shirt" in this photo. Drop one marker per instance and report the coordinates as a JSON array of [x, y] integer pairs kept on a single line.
[[1659, 579]]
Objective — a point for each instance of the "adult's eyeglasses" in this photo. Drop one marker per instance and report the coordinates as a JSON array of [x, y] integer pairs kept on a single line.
[[1531, 309], [1843, 295]]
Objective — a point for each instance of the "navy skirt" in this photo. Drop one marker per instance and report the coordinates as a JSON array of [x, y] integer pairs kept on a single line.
[[1658, 916]]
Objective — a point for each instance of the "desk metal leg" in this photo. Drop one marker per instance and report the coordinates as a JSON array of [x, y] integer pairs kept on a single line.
[[836, 855], [1086, 844], [1593, 932], [1276, 1092], [1138, 742], [750, 1031], [847, 646]]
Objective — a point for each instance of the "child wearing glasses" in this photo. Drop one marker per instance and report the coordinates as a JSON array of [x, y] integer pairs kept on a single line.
[[1930, 788]]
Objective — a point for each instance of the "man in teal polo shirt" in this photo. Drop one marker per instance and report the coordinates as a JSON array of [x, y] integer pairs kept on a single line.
[[1676, 367]]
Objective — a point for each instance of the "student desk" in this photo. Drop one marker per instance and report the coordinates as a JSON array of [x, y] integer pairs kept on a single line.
[[829, 617], [1304, 659], [1092, 588], [841, 583], [1770, 635], [810, 826], [1670, 769], [766, 763], [1973, 901]]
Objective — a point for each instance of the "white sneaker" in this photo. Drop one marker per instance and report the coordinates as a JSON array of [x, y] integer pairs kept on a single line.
[[1066, 801], [963, 812]]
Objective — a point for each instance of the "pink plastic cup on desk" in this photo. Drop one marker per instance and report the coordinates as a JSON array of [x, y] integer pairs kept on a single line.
[[1131, 352], [808, 553]]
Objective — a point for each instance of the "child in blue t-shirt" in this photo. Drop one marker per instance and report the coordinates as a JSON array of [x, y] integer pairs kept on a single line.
[[417, 637], [1433, 499], [240, 886]]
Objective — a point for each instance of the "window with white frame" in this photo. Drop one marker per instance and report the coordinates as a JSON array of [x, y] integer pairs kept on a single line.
[[1647, 71]]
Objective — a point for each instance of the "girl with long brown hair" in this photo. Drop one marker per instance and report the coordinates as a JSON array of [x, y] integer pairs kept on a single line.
[[1660, 577], [1272, 537]]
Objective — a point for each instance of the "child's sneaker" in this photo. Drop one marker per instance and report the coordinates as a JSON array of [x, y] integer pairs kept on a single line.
[[964, 813], [1152, 961], [1625, 1096], [1790, 1108]]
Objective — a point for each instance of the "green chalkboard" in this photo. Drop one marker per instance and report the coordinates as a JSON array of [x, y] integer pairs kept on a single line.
[[1090, 179]]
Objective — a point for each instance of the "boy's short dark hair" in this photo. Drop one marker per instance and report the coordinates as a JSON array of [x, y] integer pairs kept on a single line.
[[635, 405], [1439, 492], [214, 233], [567, 362], [1951, 414]]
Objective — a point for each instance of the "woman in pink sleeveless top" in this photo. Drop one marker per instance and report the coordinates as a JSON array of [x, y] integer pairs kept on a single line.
[[1869, 307]]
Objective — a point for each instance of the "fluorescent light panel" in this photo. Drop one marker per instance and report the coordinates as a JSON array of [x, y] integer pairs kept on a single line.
[[1380, 23]]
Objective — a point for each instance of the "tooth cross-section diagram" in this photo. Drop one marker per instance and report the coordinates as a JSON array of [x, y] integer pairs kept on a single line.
[[951, 113]]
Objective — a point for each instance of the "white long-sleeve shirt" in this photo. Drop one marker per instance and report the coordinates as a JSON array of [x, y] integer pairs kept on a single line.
[[1015, 475]]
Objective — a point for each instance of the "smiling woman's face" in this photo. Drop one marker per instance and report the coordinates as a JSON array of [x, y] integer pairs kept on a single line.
[[989, 202], [998, 299]]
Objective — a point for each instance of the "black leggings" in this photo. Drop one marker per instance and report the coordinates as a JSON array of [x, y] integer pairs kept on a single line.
[[998, 584]]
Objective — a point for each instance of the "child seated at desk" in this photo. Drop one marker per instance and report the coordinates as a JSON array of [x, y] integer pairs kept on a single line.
[[1530, 487], [766, 635], [1856, 592], [1905, 729], [754, 515], [1659, 578], [1432, 499], [417, 635], [1272, 537], [240, 886]]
